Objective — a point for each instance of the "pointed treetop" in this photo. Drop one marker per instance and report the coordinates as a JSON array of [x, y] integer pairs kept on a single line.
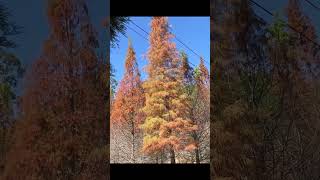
[[130, 62], [129, 42], [202, 72], [202, 67], [201, 60], [185, 67], [183, 54], [184, 58]]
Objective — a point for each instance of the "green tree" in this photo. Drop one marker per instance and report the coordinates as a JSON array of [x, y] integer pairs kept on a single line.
[[196, 86], [117, 25], [113, 84]]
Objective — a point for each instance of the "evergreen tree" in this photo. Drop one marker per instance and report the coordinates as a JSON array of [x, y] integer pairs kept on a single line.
[[196, 86], [117, 25], [113, 84]]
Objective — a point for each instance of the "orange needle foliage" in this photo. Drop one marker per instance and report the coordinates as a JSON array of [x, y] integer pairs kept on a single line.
[[129, 98], [62, 132], [202, 82], [165, 128], [126, 115]]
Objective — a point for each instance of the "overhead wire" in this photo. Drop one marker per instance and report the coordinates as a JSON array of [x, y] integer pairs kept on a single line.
[[178, 39], [148, 35], [287, 24], [312, 4]]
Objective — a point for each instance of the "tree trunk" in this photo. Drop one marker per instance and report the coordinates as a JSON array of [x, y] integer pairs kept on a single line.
[[133, 155], [133, 141], [172, 156], [161, 157], [196, 151]]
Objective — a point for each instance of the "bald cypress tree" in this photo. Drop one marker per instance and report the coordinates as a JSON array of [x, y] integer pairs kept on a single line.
[[126, 115], [62, 133], [164, 128]]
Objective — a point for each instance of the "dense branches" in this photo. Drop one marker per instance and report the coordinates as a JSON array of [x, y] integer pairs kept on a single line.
[[62, 132], [264, 96], [126, 115], [167, 120]]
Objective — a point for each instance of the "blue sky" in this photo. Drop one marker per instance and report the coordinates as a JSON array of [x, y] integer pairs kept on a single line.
[[193, 31]]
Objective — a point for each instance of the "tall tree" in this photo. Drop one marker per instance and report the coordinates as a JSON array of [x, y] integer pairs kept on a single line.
[[303, 32], [238, 57], [126, 115], [10, 71], [262, 96], [196, 86], [164, 127], [62, 133], [293, 59], [186, 69], [201, 112], [202, 80]]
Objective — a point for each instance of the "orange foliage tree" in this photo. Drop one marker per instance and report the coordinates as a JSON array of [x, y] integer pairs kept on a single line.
[[165, 127], [202, 81], [304, 49], [200, 111], [62, 132], [196, 86], [126, 115]]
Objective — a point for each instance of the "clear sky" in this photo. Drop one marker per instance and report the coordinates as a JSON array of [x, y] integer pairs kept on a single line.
[[192, 31]]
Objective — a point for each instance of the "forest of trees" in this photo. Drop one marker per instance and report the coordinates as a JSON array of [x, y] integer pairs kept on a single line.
[[265, 93], [165, 118], [60, 128]]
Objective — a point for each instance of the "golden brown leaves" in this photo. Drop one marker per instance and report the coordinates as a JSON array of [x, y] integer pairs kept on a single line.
[[164, 128]]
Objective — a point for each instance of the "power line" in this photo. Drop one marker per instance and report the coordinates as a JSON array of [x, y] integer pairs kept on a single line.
[[124, 35], [312, 4], [270, 13], [177, 40], [137, 33], [147, 34], [140, 28], [189, 47], [147, 40], [266, 10]]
